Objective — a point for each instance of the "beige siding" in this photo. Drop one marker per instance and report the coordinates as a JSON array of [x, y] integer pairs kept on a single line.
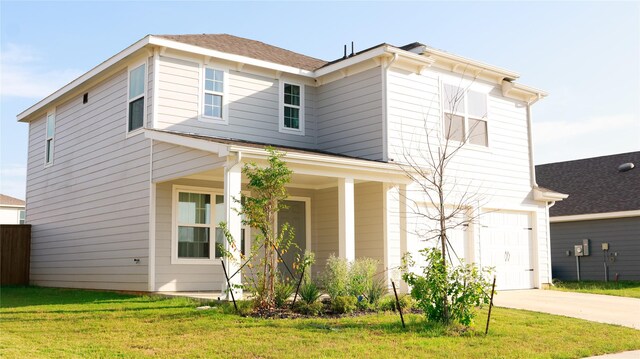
[[172, 161], [180, 277], [350, 115], [369, 216], [253, 106], [499, 173], [324, 209], [89, 210]]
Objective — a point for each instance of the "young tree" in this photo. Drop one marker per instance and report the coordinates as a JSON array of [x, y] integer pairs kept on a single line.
[[260, 210], [450, 201]]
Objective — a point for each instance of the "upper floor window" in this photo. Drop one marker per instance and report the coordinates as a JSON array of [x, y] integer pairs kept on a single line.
[[21, 217], [291, 108], [136, 98], [51, 131], [214, 104], [465, 115]]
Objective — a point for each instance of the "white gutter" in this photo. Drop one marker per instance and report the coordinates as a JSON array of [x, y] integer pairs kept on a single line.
[[425, 59], [456, 58], [532, 167], [323, 160]]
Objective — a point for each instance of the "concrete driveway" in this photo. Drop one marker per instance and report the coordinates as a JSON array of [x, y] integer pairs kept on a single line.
[[594, 307]]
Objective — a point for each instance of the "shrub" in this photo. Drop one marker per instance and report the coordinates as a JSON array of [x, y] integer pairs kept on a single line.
[[343, 304], [464, 286], [309, 292], [283, 292], [316, 308], [336, 277], [388, 303]]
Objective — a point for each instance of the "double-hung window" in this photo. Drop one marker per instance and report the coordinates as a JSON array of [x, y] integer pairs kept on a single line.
[[291, 108], [465, 115], [214, 101], [136, 98], [49, 145], [198, 237]]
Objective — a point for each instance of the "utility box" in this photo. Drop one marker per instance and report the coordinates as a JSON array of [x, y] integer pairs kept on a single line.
[[577, 250], [605, 246], [585, 247]]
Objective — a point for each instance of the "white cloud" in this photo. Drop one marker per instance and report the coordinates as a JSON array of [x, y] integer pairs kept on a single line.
[[25, 73], [12, 180]]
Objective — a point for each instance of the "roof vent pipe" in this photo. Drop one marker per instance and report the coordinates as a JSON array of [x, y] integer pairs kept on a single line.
[[626, 167], [352, 52], [345, 52]]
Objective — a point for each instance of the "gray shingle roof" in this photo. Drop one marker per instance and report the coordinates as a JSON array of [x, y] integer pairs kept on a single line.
[[594, 185], [249, 48]]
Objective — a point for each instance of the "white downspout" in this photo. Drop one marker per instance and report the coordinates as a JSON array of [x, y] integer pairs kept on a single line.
[[151, 273], [532, 167], [385, 110]]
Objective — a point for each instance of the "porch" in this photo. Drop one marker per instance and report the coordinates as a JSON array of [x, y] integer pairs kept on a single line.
[[342, 206]]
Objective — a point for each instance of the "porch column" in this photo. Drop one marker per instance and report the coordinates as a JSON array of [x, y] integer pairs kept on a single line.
[[392, 232], [346, 220], [232, 189]]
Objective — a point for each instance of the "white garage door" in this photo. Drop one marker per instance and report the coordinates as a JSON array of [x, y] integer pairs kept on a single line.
[[505, 243]]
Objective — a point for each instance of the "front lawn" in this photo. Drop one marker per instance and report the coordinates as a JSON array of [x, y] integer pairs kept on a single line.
[[620, 289], [44, 323]]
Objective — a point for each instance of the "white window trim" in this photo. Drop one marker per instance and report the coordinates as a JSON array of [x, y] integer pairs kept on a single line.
[[144, 94], [465, 115], [47, 138], [281, 105], [225, 95], [174, 226]]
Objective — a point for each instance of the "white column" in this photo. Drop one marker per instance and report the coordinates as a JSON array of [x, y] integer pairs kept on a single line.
[[392, 232], [402, 202], [232, 189], [346, 220]]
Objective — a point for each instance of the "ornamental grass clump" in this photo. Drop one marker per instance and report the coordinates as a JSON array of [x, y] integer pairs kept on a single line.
[[357, 280]]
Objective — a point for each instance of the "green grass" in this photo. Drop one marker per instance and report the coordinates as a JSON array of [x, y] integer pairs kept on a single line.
[[620, 289], [45, 323]]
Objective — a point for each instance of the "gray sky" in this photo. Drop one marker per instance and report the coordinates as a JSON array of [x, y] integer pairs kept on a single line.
[[585, 54]]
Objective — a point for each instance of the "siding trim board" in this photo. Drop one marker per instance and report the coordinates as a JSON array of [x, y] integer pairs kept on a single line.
[[595, 216]]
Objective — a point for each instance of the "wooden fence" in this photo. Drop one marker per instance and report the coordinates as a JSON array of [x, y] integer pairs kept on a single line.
[[15, 253]]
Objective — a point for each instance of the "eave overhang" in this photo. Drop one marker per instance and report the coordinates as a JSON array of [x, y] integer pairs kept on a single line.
[[416, 60], [306, 162]]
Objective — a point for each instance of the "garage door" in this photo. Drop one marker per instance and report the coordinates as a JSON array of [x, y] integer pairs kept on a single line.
[[506, 244]]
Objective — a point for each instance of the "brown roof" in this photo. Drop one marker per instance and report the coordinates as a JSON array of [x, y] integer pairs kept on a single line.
[[594, 185], [249, 48], [10, 201]]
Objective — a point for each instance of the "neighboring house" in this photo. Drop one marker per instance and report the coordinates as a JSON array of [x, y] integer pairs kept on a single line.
[[11, 210], [131, 166], [603, 207]]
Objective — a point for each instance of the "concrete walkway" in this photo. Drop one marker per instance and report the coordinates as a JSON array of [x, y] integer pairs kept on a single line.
[[594, 307]]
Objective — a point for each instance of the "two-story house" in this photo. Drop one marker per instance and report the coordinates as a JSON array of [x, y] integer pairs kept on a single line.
[[132, 165]]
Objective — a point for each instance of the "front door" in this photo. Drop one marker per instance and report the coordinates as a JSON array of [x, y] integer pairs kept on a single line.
[[296, 216]]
